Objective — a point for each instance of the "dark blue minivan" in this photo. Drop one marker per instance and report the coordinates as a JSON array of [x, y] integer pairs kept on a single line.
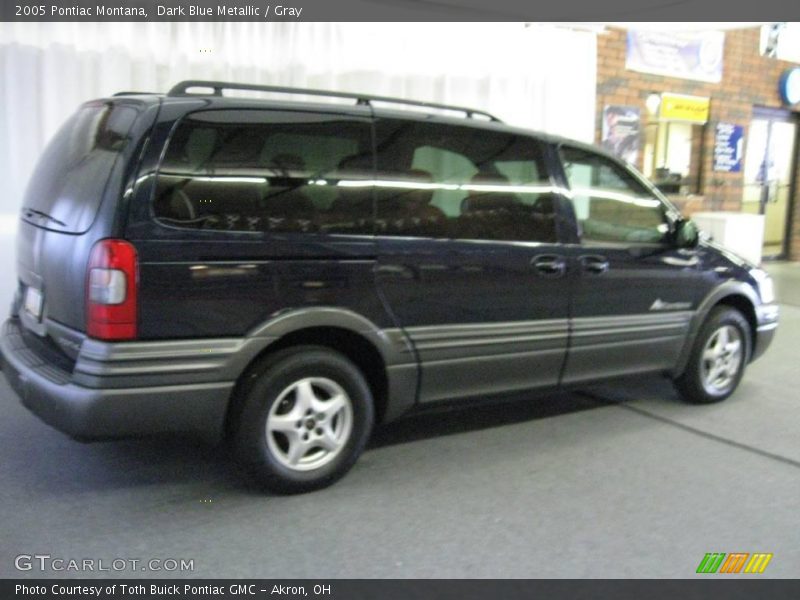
[[287, 274]]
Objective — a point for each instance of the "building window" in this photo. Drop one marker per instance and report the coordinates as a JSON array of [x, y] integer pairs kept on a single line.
[[672, 156]]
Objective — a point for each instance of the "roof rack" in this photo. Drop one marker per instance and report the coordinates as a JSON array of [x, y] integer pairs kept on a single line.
[[181, 89]]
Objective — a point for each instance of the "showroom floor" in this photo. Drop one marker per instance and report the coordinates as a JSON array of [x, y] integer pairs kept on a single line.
[[622, 481]]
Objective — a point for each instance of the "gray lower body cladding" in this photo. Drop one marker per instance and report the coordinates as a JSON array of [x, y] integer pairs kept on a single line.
[[131, 389], [139, 388], [123, 402]]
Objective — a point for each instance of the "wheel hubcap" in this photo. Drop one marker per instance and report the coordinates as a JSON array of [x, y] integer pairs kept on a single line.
[[722, 359], [309, 424]]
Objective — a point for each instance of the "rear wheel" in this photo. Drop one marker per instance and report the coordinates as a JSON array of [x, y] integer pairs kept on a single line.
[[305, 420], [718, 358]]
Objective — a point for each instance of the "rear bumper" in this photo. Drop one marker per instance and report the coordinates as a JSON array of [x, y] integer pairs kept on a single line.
[[120, 408]]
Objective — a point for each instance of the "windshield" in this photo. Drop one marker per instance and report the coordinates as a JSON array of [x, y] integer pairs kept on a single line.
[[67, 184]]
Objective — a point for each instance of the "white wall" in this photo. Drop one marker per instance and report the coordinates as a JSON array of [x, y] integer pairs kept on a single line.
[[7, 280], [788, 41], [539, 77]]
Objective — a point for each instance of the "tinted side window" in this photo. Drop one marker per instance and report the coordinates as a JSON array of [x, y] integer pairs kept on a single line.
[[610, 204], [268, 171], [448, 181]]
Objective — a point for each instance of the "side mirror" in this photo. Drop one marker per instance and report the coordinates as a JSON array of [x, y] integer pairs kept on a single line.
[[687, 235]]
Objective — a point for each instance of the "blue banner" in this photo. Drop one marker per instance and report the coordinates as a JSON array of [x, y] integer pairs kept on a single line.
[[728, 148]]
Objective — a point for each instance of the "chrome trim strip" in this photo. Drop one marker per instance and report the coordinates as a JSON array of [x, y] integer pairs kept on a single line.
[[100, 359], [488, 357], [616, 343], [596, 332], [94, 350], [154, 363], [430, 338], [443, 337], [625, 322], [636, 329], [539, 324], [488, 342]]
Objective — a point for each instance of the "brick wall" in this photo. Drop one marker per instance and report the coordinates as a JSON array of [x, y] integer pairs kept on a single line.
[[748, 79]]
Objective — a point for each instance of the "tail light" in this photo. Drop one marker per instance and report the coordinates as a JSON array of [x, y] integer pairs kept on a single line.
[[111, 286]]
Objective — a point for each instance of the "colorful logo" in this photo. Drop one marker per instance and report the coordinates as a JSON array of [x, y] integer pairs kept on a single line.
[[719, 562]]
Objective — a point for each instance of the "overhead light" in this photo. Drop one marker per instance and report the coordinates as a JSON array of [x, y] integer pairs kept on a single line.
[[653, 103], [790, 86]]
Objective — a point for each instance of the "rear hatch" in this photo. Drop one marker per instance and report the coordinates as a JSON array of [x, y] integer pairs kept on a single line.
[[71, 202]]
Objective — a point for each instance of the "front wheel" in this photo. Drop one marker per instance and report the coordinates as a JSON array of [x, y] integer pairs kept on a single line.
[[718, 358], [305, 420]]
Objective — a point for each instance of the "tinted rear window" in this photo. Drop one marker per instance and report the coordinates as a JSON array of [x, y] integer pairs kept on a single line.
[[267, 171], [67, 184]]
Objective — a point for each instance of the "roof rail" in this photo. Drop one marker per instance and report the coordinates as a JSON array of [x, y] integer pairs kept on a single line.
[[128, 93], [182, 89]]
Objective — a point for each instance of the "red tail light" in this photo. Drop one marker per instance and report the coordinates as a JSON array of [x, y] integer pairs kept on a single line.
[[111, 285]]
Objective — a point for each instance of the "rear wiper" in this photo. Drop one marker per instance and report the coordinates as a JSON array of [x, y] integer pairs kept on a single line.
[[33, 211]]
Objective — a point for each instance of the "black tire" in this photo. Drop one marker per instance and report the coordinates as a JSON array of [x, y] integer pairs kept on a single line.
[[693, 383], [266, 455]]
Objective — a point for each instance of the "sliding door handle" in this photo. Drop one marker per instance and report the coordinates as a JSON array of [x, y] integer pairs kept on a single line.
[[549, 265], [594, 263]]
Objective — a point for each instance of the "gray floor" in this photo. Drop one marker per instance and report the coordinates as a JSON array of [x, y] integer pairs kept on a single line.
[[623, 482]]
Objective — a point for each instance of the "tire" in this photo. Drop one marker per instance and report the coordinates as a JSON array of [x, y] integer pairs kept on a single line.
[[304, 421], [718, 358]]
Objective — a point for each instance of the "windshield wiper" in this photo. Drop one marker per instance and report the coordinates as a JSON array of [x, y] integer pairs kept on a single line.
[[33, 211]]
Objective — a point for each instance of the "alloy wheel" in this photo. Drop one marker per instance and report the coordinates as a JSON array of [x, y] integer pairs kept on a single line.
[[721, 359], [309, 423]]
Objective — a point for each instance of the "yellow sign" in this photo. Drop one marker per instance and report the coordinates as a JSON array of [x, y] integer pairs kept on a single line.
[[691, 109]]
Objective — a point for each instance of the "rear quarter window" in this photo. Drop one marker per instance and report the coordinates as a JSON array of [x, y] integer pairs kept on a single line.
[[267, 171]]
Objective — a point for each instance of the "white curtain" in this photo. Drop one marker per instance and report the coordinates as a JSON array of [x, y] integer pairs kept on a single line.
[[541, 77]]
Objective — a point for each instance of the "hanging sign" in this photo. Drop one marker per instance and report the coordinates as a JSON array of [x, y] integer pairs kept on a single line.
[[688, 55], [728, 148], [621, 125], [679, 107]]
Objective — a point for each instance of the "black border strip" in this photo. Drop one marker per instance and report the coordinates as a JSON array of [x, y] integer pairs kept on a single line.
[[407, 10], [707, 586]]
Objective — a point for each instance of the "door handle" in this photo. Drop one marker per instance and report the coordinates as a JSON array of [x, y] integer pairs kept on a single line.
[[594, 263], [549, 265]]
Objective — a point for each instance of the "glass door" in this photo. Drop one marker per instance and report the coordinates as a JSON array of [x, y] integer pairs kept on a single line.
[[768, 175]]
